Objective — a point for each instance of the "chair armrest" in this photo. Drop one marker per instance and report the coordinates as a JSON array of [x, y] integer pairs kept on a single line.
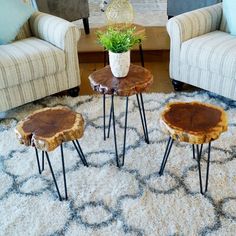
[[54, 30], [187, 26], [195, 23], [62, 34]]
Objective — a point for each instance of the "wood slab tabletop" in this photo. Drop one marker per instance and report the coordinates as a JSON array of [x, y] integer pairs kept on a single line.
[[194, 122], [138, 80], [47, 128]]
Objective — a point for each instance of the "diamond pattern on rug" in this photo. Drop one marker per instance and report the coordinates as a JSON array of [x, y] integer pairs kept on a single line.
[[105, 200]]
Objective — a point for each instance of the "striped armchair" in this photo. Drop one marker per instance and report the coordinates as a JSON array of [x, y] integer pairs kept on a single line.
[[42, 61], [202, 51]]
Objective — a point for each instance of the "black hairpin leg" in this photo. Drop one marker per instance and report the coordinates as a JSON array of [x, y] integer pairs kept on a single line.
[[193, 147], [42, 161], [105, 57], [143, 116], [199, 154], [104, 119], [141, 53], [37, 158], [64, 172], [104, 116], [110, 117], [53, 176], [166, 155], [126, 120], [196, 150], [80, 152], [112, 114], [114, 130], [208, 165]]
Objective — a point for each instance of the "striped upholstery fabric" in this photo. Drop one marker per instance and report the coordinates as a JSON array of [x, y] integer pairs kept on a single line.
[[214, 52], [198, 22], [189, 25], [32, 90], [209, 81], [41, 65], [224, 26], [63, 35], [25, 32], [202, 54], [29, 59]]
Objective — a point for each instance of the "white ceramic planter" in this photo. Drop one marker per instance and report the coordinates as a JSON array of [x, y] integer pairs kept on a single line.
[[119, 63]]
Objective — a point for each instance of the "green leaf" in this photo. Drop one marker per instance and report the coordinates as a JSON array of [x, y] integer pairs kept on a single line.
[[118, 40]]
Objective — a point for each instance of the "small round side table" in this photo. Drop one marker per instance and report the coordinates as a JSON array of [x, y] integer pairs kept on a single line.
[[48, 128], [135, 83], [195, 123]]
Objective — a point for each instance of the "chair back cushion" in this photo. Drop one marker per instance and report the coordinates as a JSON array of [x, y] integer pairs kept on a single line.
[[13, 15]]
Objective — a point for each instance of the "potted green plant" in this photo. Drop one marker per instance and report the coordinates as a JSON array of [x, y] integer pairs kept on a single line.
[[118, 42]]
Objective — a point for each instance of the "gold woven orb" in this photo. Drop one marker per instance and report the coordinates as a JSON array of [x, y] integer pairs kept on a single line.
[[119, 12]]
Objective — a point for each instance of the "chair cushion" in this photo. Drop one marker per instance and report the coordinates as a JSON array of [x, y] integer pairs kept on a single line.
[[215, 52], [13, 15], [29, 59]]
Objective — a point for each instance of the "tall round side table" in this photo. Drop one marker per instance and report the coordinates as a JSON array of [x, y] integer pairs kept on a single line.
[[135, 83]]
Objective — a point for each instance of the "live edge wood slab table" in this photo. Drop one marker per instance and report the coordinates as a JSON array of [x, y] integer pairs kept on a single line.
[[195, 123], [136, 82], [48, 128]]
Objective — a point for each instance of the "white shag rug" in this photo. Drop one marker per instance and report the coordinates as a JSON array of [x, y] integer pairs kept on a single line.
[[105, 200], [147, 13]]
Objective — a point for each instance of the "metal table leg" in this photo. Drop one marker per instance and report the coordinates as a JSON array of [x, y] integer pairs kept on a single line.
[[112, 118], [114, 130], [53, 176], [141, 53], [143, 116], [199, 154], [63, 171], [37, 158], [118, 163], [104, 116], [80, 152], [166, 155]]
